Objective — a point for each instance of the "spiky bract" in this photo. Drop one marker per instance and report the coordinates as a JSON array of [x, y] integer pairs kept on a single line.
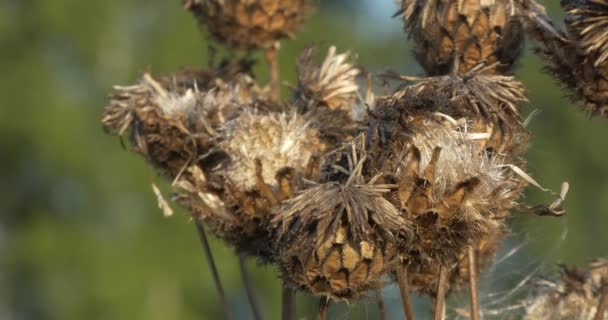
[[571, 58], [338, 238]]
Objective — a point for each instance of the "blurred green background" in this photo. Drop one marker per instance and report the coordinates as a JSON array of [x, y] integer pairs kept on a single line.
[[81, 236]]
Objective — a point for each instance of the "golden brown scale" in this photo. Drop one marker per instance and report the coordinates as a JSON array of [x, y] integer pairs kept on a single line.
[[457, 35], [577, 60], [338, 238], [250, 24], [340, 268]]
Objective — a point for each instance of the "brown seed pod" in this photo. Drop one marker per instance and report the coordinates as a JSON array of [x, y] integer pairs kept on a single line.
[[455, 193], [491, 103], [572, 59], [577, 295], [453, 36], [250, 24], [337, 239]]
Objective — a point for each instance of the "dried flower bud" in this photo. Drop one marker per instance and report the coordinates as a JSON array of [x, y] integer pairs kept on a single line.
[[574, 60], [337, 238], [249, 24], [456, 35], [578, 295]]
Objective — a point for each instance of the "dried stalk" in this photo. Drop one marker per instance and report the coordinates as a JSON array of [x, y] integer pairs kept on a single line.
[[473, 283], [216, 278], [288, 311], [405, 292], [438, 311], [603, 306], [249, 289], [272, 58], [323, 308]]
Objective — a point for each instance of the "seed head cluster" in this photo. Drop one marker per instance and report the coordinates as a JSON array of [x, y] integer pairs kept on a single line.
[[340, 192]]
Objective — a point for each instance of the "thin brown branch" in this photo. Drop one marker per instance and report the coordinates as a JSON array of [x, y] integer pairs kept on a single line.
[[405, 292], [249, 289], [473, 283], [323, 308], [216, 277], [439, 309], [288, 298]]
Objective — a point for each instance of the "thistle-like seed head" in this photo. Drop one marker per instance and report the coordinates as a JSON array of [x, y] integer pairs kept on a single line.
[[338, 238], [587, 21], [457, 35], [577, 295], [491, 104], [455, 192], [250, 24], [275, 140]]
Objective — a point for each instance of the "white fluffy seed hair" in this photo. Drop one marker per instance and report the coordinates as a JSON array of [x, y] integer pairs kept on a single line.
[[332, 83], [277, 140], [461, 159]]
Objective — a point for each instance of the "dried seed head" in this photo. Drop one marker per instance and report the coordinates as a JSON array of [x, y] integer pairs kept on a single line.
[[176, 124], [455, 193], [456, 35], [491, 102], [250, 24], [587, 21], [332, 84], [174, 119], [576, 63], [577, 295], [274, 140], [337, 239]]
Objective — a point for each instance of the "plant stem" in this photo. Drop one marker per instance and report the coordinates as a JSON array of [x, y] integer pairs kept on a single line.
[[473, 283], [272, 58], [603, 305], [323, 308], [381, 307], [289, 304], [405, 292], [249, 289], [216, 278], [441, 291]]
